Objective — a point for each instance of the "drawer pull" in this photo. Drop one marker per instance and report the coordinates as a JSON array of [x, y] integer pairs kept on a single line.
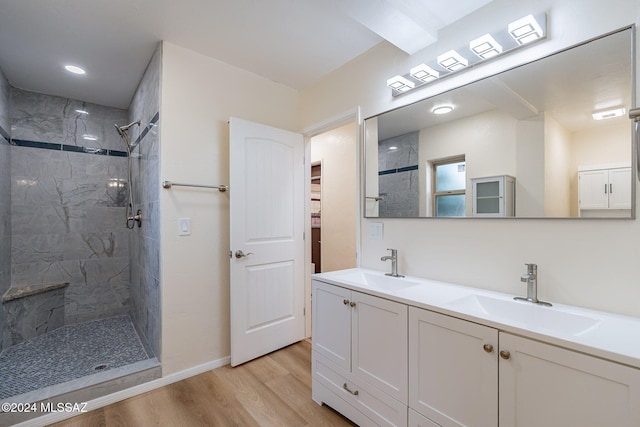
[[505, 354], [346, 387], [488, 348]]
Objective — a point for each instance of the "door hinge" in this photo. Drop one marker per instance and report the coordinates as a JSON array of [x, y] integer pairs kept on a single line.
[[304, 235], [230, 254], [304, 311]]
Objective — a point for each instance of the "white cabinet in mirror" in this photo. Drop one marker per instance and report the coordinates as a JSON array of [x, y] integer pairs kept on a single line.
[[534, 122]]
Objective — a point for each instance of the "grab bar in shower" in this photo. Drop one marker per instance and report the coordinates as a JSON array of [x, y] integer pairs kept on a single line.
[[169, 184]]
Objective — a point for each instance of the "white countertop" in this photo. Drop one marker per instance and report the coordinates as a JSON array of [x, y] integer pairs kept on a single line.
[[606, 335]]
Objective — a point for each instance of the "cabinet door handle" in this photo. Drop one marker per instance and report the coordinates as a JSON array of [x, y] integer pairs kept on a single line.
[[605, 189], [488, 348], [505, 354], [345, 301], [352, 304], [346, 387], [610, 188]]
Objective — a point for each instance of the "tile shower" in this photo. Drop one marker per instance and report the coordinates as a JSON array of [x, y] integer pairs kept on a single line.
[[398, 176], [64, 249]]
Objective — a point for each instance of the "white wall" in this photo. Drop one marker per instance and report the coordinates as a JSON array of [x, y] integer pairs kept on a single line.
[[487, 140], [557, 176], [199, 94], [589, 263], [336, 150]]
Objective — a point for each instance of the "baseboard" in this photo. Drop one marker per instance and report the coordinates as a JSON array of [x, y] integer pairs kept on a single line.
[[109, 399]]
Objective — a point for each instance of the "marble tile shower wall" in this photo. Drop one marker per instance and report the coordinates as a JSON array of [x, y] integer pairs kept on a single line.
[[68, 215], [144, 242], [398, 176], [5, 196]]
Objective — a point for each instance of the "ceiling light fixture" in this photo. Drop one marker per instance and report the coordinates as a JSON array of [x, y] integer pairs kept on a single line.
[[525, 30], [608, 114], [452, 60], [424, 73], [82, 112], [90, 137], [510, 37], [400, 84], [74, 69], [485, 47], [442, 109], [393, 147]]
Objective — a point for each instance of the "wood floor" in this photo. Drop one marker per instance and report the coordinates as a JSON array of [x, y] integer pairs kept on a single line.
[[274, 390]]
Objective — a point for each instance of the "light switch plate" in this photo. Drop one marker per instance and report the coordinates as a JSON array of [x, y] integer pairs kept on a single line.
[[184, 226], [376, 230]]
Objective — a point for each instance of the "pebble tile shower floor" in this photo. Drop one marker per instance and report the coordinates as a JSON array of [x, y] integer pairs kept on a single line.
[[69, 353]]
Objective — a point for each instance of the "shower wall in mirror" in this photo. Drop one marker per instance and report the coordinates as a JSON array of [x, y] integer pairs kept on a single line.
[[534, 125]]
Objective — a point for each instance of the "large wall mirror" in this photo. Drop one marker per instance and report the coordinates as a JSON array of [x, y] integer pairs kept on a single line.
[[524, 143]]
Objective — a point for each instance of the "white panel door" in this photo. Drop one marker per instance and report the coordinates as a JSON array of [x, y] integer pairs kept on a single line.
[[267, 225], [544, 385]]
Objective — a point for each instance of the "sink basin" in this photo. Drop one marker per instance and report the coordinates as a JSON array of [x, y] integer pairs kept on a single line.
[[377, 281], [528, 315]]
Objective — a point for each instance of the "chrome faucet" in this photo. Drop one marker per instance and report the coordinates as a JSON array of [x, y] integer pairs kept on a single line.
[[531, 279], [394, 263]]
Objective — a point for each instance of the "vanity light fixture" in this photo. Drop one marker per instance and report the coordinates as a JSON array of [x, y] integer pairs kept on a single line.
[[513, 36], [452, 60], [525, 30], [442, 109], [400, 84], [74, 69], [485, 47], [424, 73], [608, 114]]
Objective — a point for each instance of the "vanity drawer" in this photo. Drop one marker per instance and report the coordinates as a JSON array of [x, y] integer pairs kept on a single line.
[[381, 408]]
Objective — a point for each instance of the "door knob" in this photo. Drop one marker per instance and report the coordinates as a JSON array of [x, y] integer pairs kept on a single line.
[[240, 254], [505, 354], [488, 348]]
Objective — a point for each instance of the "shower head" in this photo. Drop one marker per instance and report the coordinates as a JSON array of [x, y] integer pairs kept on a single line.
[[120, 131]]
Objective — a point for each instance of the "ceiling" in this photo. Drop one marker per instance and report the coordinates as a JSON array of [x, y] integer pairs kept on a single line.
[[293, 42]]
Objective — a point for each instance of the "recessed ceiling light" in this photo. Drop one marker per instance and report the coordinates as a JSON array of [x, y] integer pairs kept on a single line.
[[82, 112], [452, 60], [90, 137], [74, 69], [608, 114], [400, 84], [443, 109]]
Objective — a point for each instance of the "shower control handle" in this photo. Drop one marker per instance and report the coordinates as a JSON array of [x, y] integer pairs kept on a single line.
[[240, 254]]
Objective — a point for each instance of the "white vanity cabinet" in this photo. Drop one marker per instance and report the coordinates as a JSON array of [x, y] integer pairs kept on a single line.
[[459, 376], [545, 385], [494, 196], [453, 369], [604, 189], [359, 360]]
